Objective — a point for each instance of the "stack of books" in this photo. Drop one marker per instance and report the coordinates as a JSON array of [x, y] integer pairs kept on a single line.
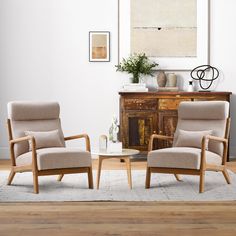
[[140, 87]]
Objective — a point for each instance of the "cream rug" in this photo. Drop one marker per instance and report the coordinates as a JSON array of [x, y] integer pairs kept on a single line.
[[114, 187]]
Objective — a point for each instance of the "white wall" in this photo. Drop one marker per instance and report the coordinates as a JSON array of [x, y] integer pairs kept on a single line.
[[44, 56]]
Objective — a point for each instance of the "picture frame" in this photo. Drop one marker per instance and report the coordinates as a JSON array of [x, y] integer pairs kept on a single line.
[[99, 46], [167, 63]]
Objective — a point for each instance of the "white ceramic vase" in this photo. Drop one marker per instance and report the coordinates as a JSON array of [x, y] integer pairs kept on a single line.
[[171, 80]]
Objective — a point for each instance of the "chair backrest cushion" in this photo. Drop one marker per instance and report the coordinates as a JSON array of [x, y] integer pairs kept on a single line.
[[201, 116], [33, 116]]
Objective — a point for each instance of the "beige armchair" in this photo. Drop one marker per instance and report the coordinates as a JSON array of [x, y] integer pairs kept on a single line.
[[37, 143], [200, 142]]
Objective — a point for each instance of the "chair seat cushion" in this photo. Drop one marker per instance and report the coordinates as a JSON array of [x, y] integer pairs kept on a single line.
[[181, 157], [57, 158]]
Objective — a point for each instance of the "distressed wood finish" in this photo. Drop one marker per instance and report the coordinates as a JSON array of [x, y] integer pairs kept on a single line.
[[34, 168], [160, 109], [167, 124], [149, 120], [140, 104]]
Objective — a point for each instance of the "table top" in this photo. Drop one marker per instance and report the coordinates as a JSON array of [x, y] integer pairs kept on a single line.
[[125, 152]]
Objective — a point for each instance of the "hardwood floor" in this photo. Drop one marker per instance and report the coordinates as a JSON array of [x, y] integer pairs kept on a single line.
[[118, 218]]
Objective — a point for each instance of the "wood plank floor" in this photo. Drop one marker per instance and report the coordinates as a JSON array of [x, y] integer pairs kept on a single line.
[[118, 218]]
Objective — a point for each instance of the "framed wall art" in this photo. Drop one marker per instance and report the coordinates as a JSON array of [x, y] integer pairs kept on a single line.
[[99, 46], [174, 33]]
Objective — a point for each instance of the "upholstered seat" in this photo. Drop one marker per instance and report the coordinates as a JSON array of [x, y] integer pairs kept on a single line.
[[57, 158], [200, 142], [181, 157], [37, 143]]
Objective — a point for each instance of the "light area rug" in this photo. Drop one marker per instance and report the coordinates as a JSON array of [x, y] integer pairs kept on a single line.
[[114, 187]]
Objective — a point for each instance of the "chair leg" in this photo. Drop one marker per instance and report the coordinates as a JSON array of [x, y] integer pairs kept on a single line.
[[11, 176], [202, 180], [100, 159], [148, 177], [60, 177], [226, 175], [177, 177], [36, 184], [90, 177]]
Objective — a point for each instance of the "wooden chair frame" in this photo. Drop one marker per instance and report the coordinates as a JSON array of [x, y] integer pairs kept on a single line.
[[34, 167], [203, 165]]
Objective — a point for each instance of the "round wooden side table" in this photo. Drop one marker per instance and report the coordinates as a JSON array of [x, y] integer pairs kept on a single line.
[[125, 155]]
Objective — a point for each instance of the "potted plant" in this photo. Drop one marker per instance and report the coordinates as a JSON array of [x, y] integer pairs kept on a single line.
[[137, 65]]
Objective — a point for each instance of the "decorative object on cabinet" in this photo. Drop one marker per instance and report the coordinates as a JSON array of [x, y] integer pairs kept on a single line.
[[204, 145], [200, 74], [171, 80], [99, 46], [190, 86], [132, 87], [161, 79], [144, 114], [137, 65], [170, 83], [157, 32]]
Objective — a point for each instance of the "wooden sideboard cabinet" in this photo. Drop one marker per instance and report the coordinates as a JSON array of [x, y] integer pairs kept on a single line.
[[143, 114]]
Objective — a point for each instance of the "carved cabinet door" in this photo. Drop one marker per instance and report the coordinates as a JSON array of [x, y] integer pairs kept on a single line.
[[167, 126], [138, 128]]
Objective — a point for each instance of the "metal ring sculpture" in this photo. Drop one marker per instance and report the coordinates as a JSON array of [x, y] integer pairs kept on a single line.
[[199, 74]]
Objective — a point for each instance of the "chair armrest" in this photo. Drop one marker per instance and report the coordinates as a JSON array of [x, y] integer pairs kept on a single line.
[[157, 136], [215, 138], [22, 139], [207, 138], [25, 138], [79, 136]]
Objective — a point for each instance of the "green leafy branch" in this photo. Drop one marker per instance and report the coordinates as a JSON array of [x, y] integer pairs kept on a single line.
[[136, 65]]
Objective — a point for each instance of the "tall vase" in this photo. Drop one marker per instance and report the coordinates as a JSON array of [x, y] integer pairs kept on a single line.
[[161, 79], [171, 80]]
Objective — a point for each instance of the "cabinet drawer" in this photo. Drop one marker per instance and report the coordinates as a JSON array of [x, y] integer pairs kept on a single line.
[[171, 103], [222, 98], [140, 104]]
